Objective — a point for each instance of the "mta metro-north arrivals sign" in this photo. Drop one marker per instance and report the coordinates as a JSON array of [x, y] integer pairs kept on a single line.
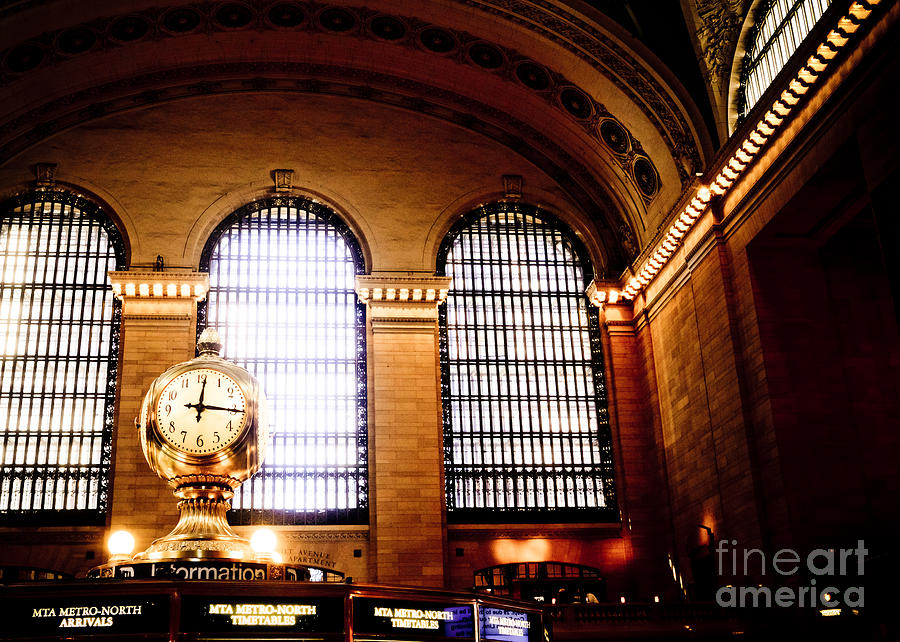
[[65, 617]]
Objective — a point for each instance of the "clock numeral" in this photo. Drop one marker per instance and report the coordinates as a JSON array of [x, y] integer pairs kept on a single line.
[[172, 427], [218, 439], [230, 392], [173, 395], [201, 378], [185, 383], [220, 382], [229, 426], [200, 441], [168, 409], [183, 435]]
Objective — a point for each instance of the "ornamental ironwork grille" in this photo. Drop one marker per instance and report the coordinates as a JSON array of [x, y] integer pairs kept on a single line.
[[774, 37], [282, 275], [59, 327], [526, 431]]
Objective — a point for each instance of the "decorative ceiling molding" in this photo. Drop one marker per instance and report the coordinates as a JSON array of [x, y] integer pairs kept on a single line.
[[556, 23], [56, 47], [718, 29], [135, 92], [636, 172]]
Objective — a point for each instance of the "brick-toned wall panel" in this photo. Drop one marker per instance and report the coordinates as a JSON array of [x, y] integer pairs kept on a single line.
[[141, 501], [407, 457]]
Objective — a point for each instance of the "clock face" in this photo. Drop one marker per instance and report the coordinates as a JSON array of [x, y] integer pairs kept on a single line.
[[201, 412]]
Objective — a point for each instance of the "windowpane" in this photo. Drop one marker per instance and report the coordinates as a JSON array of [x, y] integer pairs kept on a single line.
[[525, 418], [780, 29], [59, 342], [282, 294]]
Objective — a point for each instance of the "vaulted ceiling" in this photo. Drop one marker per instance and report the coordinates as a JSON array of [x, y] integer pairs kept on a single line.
[[578, 91]]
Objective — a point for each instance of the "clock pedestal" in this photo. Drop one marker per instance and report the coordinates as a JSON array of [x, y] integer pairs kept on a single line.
[[202, 531]]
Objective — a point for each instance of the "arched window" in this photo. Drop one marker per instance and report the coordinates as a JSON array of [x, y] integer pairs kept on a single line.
[[59, 327], [777, 32], [282, 294], [526, 432]]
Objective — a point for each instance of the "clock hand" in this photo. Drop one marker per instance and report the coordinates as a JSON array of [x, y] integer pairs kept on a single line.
[[199, 405], [221, 408]]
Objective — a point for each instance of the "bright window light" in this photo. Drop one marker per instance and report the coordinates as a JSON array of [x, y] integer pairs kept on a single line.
[[777, 33], [526, 428], [58, 356], [282, 277]]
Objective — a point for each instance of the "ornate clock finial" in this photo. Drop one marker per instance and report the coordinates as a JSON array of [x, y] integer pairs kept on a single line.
[[209, 342]]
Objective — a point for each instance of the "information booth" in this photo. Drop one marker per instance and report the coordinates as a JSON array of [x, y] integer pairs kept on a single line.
[[213, 610]]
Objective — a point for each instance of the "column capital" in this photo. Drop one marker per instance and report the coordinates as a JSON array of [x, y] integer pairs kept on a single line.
[[146, 294], [402, 302]]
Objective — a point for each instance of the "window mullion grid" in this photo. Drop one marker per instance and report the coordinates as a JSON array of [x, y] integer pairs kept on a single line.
[[78, 309], [584, 398], [550, 354], [18, 366], [59, 484], [466, 329], [333, 475], [32, 431], [69, 401], [47, 401], [30, 469], [320, 465], [231, 323], [548, 382], [529, 365], [292, 367], [489, 497], [56, 464], [82, 367], [97, 327], [262, 306], [563, 367], [523, 440], [476, 428], [509, 323], [272, 246], [781, 31], [7, 453], [500, 436], [459, 331]]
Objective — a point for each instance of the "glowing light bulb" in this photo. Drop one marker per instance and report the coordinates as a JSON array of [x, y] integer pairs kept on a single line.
[[120, 543], [263, 541]]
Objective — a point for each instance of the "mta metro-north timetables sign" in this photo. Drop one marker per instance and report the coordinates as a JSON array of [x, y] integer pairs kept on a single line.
[[412, 618]]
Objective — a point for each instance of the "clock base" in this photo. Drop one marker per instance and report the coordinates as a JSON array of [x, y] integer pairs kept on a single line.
[[202, 531]]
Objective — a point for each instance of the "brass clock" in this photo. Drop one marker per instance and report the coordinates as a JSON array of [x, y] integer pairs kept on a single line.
[[203, 429], [201, 411]]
